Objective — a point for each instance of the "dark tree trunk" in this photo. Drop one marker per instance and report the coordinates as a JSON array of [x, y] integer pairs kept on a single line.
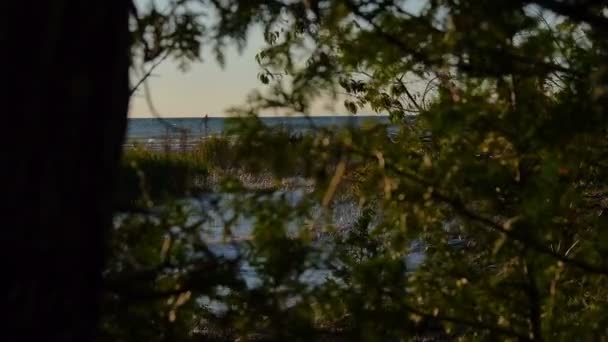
[[66, 71]]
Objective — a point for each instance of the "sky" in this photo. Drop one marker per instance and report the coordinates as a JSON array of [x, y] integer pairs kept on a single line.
[[207, 89]]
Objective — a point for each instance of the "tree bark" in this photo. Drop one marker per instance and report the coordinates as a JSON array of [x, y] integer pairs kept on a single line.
[[66, 66]]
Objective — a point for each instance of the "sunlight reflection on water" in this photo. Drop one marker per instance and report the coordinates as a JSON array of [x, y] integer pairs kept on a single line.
[[216, 209]]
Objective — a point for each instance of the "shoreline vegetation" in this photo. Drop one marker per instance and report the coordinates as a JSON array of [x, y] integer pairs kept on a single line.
[[153, 173], [200, 164]]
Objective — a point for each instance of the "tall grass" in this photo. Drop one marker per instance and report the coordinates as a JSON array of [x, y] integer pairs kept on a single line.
[[147, 175], [269, 161], [218, 152]]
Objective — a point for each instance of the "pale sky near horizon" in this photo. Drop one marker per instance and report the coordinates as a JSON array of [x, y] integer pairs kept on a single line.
[[207, 89]]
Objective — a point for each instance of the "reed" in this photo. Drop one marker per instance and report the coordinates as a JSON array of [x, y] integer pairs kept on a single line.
[[148, 175]]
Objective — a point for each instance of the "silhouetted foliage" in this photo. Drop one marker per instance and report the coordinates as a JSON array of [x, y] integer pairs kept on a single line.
[[494, 175]]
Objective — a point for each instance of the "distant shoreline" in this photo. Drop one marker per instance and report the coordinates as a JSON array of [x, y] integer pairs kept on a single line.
[[261, 116], [166, 129]]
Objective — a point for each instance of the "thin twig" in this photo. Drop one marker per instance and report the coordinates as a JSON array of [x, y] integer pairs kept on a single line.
[[148, 73], [463, 210]]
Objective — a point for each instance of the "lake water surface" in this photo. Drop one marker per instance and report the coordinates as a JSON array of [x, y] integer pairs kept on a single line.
[[152, 128], [216, 207]]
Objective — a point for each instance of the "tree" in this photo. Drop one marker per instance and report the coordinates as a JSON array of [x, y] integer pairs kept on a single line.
[[66, 64], [496, 170], [509, 124], [67, 67], [507, 146], [68, 70]]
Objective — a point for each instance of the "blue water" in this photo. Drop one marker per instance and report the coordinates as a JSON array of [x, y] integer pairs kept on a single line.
[[151, 128], [343, 216], [215, 209]]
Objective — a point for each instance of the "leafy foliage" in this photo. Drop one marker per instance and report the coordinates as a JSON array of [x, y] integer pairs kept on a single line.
[[496, 171]]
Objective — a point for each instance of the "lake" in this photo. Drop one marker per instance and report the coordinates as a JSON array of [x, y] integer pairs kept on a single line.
[[216, 206], [152, 128]]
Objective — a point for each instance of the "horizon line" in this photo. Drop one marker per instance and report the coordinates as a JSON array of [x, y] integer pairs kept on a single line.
[[260, 116]]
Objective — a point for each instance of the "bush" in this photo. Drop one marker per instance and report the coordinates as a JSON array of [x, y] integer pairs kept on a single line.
[[147, 175]]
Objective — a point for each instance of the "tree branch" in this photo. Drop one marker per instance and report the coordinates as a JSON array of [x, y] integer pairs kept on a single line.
[[577, 12], [148, 73], [531, 65], [464, 211]]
